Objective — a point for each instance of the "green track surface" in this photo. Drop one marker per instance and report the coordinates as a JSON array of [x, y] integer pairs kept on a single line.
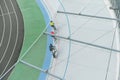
[[33, 26]]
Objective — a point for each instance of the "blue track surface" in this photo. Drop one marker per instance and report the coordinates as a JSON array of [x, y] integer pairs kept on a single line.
[[49, 40]]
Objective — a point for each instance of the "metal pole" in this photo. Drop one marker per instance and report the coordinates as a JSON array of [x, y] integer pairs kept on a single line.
[[82, 42], [86, 15], [35, 67]]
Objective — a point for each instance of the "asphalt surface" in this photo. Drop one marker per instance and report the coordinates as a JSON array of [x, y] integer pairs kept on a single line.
[[11, 34]]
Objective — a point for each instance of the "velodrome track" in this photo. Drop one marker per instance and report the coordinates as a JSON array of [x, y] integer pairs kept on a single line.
[[11, 34]]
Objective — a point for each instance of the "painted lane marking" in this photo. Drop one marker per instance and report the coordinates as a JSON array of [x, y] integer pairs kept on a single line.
[[15, 41], [9, 35], [3, 27]]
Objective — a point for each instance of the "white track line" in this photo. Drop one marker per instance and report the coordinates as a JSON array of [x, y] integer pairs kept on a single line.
[[16, 38], [3, 27], [7, 13], [9, 34]]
